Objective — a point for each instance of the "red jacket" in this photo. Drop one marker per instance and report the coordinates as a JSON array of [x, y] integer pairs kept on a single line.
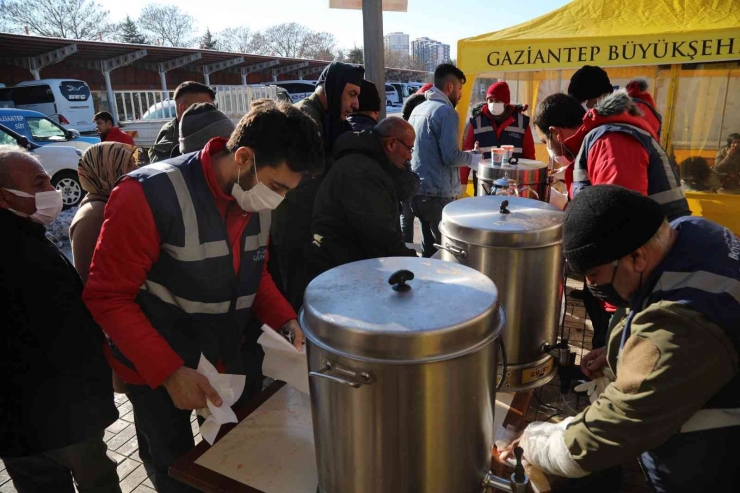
[[116, 135], [128, 246], [616, 158], [638, 89], [528, 150]]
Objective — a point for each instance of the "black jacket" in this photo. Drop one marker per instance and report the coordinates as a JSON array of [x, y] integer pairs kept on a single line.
[[56, 384], [360, 122], [356, 213]]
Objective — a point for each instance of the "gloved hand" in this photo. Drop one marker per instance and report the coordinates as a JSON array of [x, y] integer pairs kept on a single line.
[[597, 386]]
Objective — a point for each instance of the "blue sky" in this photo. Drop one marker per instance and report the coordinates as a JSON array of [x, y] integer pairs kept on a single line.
[[444, 20]]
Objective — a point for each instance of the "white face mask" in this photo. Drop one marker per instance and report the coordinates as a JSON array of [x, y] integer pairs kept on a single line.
[[496, 109], [562, 160], [259, 198], [48, 205]]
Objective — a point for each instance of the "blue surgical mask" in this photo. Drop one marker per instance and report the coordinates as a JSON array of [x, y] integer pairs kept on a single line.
[[607, 292]]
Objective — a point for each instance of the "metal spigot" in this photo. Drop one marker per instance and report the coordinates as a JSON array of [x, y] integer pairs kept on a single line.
[[561, 351], [518, 483]]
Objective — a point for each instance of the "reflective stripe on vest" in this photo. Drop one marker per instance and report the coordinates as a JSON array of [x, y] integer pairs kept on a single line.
[[487, 138], [193, 250], [192, 295], [663, 185], [709, 419]]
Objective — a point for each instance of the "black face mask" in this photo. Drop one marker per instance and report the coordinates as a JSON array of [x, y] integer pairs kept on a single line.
[[607, 293]]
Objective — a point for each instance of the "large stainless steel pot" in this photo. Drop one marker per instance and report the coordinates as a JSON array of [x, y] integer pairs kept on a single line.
[[516, 242], [402, 376], [528, 175]]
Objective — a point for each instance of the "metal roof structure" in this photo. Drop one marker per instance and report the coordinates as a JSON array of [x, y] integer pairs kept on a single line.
[[36, 52]]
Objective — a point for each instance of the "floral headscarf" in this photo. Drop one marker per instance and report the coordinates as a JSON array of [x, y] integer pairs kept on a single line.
[[103, 164]]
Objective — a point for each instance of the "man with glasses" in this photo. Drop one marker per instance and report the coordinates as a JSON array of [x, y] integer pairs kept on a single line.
[[356, 213]]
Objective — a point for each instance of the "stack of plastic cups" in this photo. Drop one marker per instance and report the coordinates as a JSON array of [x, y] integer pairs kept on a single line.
[[509, 152], [497, 156]]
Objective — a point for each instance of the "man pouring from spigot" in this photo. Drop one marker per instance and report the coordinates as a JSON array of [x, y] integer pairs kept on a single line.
[[675, 402]]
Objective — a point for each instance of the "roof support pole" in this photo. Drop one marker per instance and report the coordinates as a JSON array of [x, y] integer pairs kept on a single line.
[[372, 28]]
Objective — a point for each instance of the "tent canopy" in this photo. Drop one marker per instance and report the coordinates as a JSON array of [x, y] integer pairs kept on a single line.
[[609, 33]]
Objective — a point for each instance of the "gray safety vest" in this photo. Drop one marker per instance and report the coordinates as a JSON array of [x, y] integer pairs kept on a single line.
[[192, 295]]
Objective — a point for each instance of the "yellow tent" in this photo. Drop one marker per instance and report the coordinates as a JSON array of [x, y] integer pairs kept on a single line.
[[687, 50]]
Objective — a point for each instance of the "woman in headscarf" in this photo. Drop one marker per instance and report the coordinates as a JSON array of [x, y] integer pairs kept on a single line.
[[100, 167]]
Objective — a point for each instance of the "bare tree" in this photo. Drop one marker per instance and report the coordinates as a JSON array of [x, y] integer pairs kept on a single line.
[[242, 40], [321, 46], [289, 39], [167, 24], [74, 19]]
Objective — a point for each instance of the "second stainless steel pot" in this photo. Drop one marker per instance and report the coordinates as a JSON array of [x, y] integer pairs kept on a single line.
[[517, 243]]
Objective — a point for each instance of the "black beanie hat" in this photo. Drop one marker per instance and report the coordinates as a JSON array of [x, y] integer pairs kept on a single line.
[[589, 82], [369, 98], [604, 223]]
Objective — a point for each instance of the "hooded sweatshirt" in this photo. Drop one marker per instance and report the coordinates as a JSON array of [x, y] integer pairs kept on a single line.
[[616, 158]]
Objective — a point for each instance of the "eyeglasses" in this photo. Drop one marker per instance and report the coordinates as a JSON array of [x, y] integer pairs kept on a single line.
[[411, 149]]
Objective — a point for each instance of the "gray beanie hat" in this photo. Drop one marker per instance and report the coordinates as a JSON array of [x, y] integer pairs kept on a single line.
[[200, 123]]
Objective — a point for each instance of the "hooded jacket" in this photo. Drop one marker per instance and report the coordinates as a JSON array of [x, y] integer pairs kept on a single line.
[[497, 135], [637, 91], [654, 176], [291, 221], [437, 155], [356, 215], [616, 158]]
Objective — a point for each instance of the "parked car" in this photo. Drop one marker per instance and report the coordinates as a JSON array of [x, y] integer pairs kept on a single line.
[[59, 161], [66, 101], [392, 97], [298, 89], [403, 89], [42, 130]]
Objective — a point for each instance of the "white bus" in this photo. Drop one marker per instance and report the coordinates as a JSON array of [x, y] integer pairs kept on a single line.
[[66, 101]]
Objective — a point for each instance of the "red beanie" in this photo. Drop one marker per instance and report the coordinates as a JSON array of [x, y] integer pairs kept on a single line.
[[500, 91], [424, 88]]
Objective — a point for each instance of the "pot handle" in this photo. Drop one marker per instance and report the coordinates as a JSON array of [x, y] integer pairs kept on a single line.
[[454, 250], [358, 379]]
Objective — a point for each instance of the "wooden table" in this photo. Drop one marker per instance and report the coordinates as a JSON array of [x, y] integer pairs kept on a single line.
[[187, 471]]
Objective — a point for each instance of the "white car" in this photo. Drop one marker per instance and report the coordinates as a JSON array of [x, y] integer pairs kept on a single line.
[[60, 162]]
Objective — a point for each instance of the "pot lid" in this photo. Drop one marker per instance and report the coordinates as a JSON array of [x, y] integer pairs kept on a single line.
[[526, 167], [401, 310], [521, 223]]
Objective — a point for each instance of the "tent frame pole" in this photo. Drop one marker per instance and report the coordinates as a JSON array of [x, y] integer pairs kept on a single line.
[[671, 110]]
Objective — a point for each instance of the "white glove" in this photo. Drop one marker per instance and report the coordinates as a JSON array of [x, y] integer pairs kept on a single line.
[[559, 174], [558, 199], [597, 386], [544, 447]]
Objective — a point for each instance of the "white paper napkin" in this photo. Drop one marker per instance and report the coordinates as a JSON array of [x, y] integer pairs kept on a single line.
[[229, 388], [282, 360]]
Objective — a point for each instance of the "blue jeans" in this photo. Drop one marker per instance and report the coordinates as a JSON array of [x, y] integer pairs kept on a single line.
[[429, 211]]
